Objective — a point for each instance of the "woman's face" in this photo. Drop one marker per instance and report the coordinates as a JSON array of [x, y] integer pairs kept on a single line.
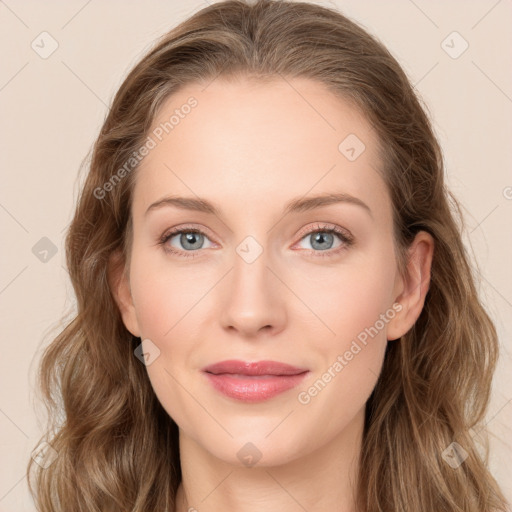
[[263, 280]]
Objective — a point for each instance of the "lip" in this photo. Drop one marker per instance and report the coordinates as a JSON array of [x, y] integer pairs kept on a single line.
[[253, 381]]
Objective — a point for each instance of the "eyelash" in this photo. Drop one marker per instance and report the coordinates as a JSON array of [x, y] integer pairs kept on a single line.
[[345, 238]]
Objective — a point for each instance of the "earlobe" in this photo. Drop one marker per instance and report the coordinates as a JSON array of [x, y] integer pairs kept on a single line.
[[415, 285], [120, 287]]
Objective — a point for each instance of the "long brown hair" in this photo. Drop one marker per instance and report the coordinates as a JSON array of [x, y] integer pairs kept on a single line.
[[116, 448]]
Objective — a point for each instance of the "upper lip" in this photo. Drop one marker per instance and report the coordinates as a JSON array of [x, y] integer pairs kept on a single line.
[[253, 368]]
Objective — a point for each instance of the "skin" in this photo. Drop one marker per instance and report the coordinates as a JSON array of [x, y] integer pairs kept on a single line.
[[250, 148]]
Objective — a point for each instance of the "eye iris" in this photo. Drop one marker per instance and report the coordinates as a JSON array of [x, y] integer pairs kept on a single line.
[[189, 238], [321, 237]]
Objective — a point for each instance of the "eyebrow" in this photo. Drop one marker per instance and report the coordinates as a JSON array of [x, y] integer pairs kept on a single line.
[[298, 205]]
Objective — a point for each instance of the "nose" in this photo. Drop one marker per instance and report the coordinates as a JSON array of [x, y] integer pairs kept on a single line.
[[252, 299]]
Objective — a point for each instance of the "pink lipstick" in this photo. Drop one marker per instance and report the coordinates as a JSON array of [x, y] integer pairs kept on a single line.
[[253, 382]]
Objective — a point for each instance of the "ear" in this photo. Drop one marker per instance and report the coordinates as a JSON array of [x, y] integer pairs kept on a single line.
[[119, 282], [413, 287]]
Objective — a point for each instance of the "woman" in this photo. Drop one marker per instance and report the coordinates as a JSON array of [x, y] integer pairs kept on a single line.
[[275, 310]]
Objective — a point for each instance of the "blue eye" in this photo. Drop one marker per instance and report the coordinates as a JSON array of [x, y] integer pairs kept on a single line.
[[322, 240], [322, 237]]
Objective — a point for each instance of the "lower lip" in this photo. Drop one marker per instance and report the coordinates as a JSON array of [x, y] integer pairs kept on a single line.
[[253, 388]]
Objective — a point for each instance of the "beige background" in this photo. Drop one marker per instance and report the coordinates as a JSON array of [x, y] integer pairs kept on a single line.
[[53, 108]]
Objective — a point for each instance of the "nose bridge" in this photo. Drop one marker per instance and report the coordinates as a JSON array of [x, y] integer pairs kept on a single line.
[[252, 299], [250, 272]]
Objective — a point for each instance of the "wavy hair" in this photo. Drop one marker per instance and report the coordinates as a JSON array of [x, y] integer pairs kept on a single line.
[[117, 448]]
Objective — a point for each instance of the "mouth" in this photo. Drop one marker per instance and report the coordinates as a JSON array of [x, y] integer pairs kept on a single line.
[[253, 381]]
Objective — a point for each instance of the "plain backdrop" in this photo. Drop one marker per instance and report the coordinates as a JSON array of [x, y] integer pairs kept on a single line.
[[52, 107]]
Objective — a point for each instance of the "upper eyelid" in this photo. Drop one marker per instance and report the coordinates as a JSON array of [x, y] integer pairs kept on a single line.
[[326, 226], [185, 229]]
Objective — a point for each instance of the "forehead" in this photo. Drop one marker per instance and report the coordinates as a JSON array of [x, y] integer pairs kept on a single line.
[[258, 141]]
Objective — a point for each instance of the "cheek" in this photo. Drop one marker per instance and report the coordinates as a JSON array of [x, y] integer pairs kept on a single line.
[[351, 359], [166, 316], [350, 298], [171, 304], [164, 293]]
